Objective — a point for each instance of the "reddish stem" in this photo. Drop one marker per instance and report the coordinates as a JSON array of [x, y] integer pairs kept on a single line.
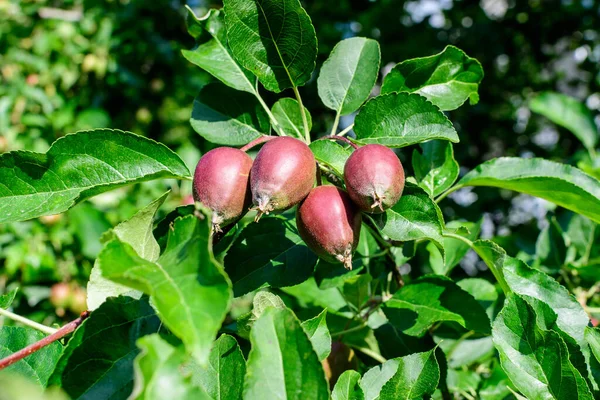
[[257, 141], [341, 139], [62, 332]]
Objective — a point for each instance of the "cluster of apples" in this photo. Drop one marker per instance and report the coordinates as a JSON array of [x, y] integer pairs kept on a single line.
[[283, 174]]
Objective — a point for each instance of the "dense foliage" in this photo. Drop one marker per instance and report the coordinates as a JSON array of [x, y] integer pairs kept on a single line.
[[453, 292]]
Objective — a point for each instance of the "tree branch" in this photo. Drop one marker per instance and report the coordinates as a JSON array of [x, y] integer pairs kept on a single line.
[[62, 332]]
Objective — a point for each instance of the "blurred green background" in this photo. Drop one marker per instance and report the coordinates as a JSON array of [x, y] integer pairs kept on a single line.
[[72, 65]]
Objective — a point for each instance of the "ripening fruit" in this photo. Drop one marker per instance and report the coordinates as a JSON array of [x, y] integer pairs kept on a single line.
[[60, 295], [78, 300], [221, 184], [374, 178], [329, 223], [282, 175]]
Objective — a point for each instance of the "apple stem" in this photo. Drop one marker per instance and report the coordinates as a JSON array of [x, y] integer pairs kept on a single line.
[[256, 142], [59, 334], [340, 139]]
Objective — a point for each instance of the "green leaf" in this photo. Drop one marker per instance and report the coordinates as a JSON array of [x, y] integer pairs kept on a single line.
[[16, 387], [550, 247], [462, 382], [223, 377], [536, 360], [347, 387], [329, 275], [269, 253], [558, 183], [482, 290], [158, 368], [7, 298], [417, 376], [524, 280], [592, 337], [454, 249], [260, 303], [463, 353], [136, 232], [581, 233], [400, 120], [430, 299], [287, 112], [410, 377], [212, 53], [316, 329], [264, 300], [447, 79], [274, 39], [88, 223], [186, 284], [349, 74], [414, 217], [497, 386], [435, 168], [223, 115], [331, 154], [569, 113], [98, 359], [308, 294], [78, 166], [36, 367], [282, 362]]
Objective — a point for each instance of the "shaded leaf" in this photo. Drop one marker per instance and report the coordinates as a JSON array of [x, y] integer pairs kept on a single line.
[[78, 166], [137, 232], [36, 367], [212, 53], [282, 362], [463, 353], [497, 386], [447, 79], [318, 333], [88, 224], [400, 120], [569, 113], [430, 299], [349, 74], [269, 253], [435, 168], [558, 183], [287, 112], [581, 233], [187, 285], [226, 116], [98, 359], [274, 39], [550, 247]]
